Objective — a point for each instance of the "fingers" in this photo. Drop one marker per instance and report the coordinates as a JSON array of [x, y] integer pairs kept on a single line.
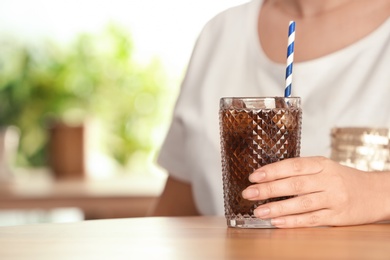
[[296, 205], [313, 179], [285, 187], [301, 211], [289, 167], [311, 219]]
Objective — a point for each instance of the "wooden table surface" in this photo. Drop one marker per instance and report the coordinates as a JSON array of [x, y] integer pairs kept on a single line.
[[107, 198], [189, 238]]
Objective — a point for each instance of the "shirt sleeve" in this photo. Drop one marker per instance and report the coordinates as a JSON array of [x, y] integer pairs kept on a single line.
[[178, 149]]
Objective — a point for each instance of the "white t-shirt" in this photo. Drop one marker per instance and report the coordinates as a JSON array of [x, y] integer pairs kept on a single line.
[[350, 87]]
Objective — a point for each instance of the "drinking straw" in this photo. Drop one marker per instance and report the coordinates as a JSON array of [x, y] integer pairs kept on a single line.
[[290, 58]]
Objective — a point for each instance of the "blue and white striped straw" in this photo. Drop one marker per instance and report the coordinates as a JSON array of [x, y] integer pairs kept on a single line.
[[290, 58]]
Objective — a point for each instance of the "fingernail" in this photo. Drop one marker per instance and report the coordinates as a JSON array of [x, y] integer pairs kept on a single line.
[[250, 193], [262, 212], [256, 176], [278, 222]]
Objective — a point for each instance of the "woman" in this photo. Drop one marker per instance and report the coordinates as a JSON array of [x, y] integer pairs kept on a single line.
[[340, 71]]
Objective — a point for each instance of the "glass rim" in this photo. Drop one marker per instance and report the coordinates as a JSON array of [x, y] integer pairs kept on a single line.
[[359, 131], [259, 102], [257, 98], [358, 128]]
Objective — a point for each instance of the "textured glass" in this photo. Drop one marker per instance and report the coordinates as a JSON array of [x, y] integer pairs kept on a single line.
[[366, 149], [254, 132]]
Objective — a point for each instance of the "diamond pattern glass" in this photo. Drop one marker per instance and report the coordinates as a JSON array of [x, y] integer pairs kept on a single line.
[[254, 132], [363, 148]]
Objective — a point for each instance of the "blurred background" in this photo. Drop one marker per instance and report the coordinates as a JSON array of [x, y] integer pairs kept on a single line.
[[86, 94]]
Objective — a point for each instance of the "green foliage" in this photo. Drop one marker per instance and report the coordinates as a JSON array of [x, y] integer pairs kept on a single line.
[[96, 76]]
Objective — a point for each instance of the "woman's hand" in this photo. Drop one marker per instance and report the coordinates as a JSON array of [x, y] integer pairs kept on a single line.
[[328, 193]]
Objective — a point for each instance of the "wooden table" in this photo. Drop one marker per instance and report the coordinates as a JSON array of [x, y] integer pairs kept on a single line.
[[106, 198], [189, 238]]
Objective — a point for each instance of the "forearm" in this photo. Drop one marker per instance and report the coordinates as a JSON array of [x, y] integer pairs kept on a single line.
[[175, 200]]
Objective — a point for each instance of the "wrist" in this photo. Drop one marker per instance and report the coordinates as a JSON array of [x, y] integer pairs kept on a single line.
[[381, 193]]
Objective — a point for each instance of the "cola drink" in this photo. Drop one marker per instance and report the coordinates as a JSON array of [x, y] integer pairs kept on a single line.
[[254, 132]]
